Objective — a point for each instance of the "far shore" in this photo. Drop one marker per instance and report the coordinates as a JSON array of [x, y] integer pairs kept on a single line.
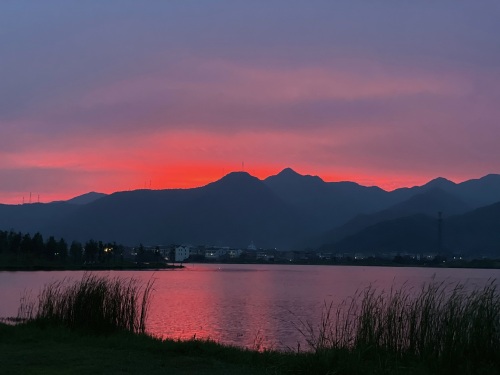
[[370, 262], [100, 267]]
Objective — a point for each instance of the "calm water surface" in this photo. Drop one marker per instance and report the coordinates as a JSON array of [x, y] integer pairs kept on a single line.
[[246, 304]]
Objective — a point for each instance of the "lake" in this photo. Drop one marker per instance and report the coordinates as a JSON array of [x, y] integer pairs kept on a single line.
[[247, 304]]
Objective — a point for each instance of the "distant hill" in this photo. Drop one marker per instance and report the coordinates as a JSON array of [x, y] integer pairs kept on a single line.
[[475, 233], [429, 202], [480, 192], [327, 203], [286, 211], [413, 233], [475, 193], [233, 211], [34, 217], [86, 198]]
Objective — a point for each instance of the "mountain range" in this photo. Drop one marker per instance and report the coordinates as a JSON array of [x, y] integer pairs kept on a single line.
[[285, 211]]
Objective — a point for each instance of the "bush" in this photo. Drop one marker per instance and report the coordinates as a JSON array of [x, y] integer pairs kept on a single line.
[[94, 303], [442, 326]]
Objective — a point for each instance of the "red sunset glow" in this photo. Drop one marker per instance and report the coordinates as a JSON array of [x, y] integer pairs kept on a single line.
[[97, 103]]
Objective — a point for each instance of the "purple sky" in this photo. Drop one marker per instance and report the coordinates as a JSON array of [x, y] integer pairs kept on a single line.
[[110, 95]]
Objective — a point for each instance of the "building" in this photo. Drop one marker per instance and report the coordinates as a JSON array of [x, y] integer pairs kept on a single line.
[[235, 253], [216, 253], [182, 253]]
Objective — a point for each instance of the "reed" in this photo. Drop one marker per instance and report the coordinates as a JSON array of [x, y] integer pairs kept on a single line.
[[94, 303], [443, 326]]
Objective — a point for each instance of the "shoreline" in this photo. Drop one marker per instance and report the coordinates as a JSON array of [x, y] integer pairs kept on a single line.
[[34, 268], [473, 264], [29, 348]]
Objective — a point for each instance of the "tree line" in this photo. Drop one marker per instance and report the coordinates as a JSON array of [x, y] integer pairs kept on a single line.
[[26, 248]]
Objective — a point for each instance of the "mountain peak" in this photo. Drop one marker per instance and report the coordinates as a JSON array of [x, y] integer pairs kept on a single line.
[[289, 175], [288, 172], [236, 179], [86, 198], [238, 175], [440, 182]]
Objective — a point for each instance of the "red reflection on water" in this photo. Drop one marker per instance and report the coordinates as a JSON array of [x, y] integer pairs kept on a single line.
[[246, 305], [227, 304]]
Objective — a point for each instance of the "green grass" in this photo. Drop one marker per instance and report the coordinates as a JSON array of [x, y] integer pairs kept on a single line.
[[33, 349]]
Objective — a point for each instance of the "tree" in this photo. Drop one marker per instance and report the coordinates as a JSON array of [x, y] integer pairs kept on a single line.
[[76, 252], [91, 250], [26, 244], [4, 245], [38, 244], [51, 248], [15, 242], [62, 249], [101, 254]]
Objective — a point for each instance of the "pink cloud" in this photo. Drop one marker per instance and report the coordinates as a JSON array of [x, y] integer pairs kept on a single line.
[[358, 121], [225, 84]]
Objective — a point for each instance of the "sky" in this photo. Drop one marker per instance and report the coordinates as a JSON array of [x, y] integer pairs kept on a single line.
[[119, 95]]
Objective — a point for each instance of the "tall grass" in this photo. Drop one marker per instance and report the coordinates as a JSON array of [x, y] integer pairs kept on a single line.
[[94, 303], [440, 324]]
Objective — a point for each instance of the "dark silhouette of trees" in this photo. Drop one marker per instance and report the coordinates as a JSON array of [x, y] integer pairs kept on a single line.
[[15, 242], [76, 252], [51, 248], [62, 250], [3, 242], [26, 244], [91, 251], [26, 249], [38, 244]]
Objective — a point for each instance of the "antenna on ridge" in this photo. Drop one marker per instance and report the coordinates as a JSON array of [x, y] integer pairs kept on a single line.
[[243, 166]]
